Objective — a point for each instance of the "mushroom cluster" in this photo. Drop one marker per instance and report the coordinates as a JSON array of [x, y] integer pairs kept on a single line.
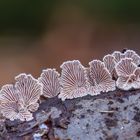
[[117, 70], [18, 101]]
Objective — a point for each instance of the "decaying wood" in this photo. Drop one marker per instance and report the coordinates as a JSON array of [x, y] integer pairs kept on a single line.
[[108, 116]]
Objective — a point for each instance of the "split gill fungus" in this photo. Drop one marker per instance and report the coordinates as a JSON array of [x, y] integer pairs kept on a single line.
[[20, 100]]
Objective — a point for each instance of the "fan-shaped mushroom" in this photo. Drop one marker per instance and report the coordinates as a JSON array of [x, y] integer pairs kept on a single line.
[[118, 56], [50, 81], [100, 78], [19, 100], [129, 75], [73, 80], [110, 63], [10, 105], [29, 90], [129, 53], [125, 67]]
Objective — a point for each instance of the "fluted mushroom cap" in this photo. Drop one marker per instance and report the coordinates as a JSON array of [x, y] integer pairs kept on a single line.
[[118, 56], [11, 107], [50, 81], [73, 80], [100, 78], [109, 62], [129, 75], [125, 67], [19, 100]]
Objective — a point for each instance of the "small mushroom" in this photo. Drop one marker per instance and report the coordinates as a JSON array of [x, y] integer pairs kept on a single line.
[[29, 90], [127, 83], [73, 80], [136, 59], [110, 63], [129, 53], [122, 83], [50, 81], [100, 78], [133, 55], [125, 67], [135, 78], [129, 75], [118, 56]]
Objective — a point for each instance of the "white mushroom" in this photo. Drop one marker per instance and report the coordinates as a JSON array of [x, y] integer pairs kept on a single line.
[[29, 90], [118, 56], [11, 107], [125, 67], [129, 75], [136, 59], [50, 81], [129, 53], [73, 80], [110, 63], [100, 77], [19, 100]]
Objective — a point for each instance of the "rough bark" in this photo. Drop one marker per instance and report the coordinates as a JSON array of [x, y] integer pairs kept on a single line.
[[108, 116]]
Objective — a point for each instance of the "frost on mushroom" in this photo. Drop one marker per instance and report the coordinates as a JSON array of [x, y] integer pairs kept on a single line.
[[73, 80], [10, 105], [100, 78], [110, 63], [19, 100], [50, 81], [129, 75]]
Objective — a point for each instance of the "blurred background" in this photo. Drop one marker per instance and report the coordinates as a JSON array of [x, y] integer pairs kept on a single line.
[[35, 35]]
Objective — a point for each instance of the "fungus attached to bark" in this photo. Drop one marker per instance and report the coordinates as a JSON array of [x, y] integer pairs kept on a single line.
[[11, 107], [19, 100], [125, 67], [50, 81], [29, 90], [110, 63], [129, 75], [127, 83], [100, 78], [73, 80], [133, 55]]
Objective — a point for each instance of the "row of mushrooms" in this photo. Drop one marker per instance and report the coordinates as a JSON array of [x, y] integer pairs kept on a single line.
[[117, 70]]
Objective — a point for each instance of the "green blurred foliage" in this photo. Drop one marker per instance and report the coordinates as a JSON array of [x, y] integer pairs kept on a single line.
[[32, 16], [25, 15], [114, 10]]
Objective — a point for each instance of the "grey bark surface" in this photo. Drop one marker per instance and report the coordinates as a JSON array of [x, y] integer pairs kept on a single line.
[[108, 116]]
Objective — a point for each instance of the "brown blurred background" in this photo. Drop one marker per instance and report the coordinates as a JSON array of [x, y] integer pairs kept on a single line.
[[35, 35]]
